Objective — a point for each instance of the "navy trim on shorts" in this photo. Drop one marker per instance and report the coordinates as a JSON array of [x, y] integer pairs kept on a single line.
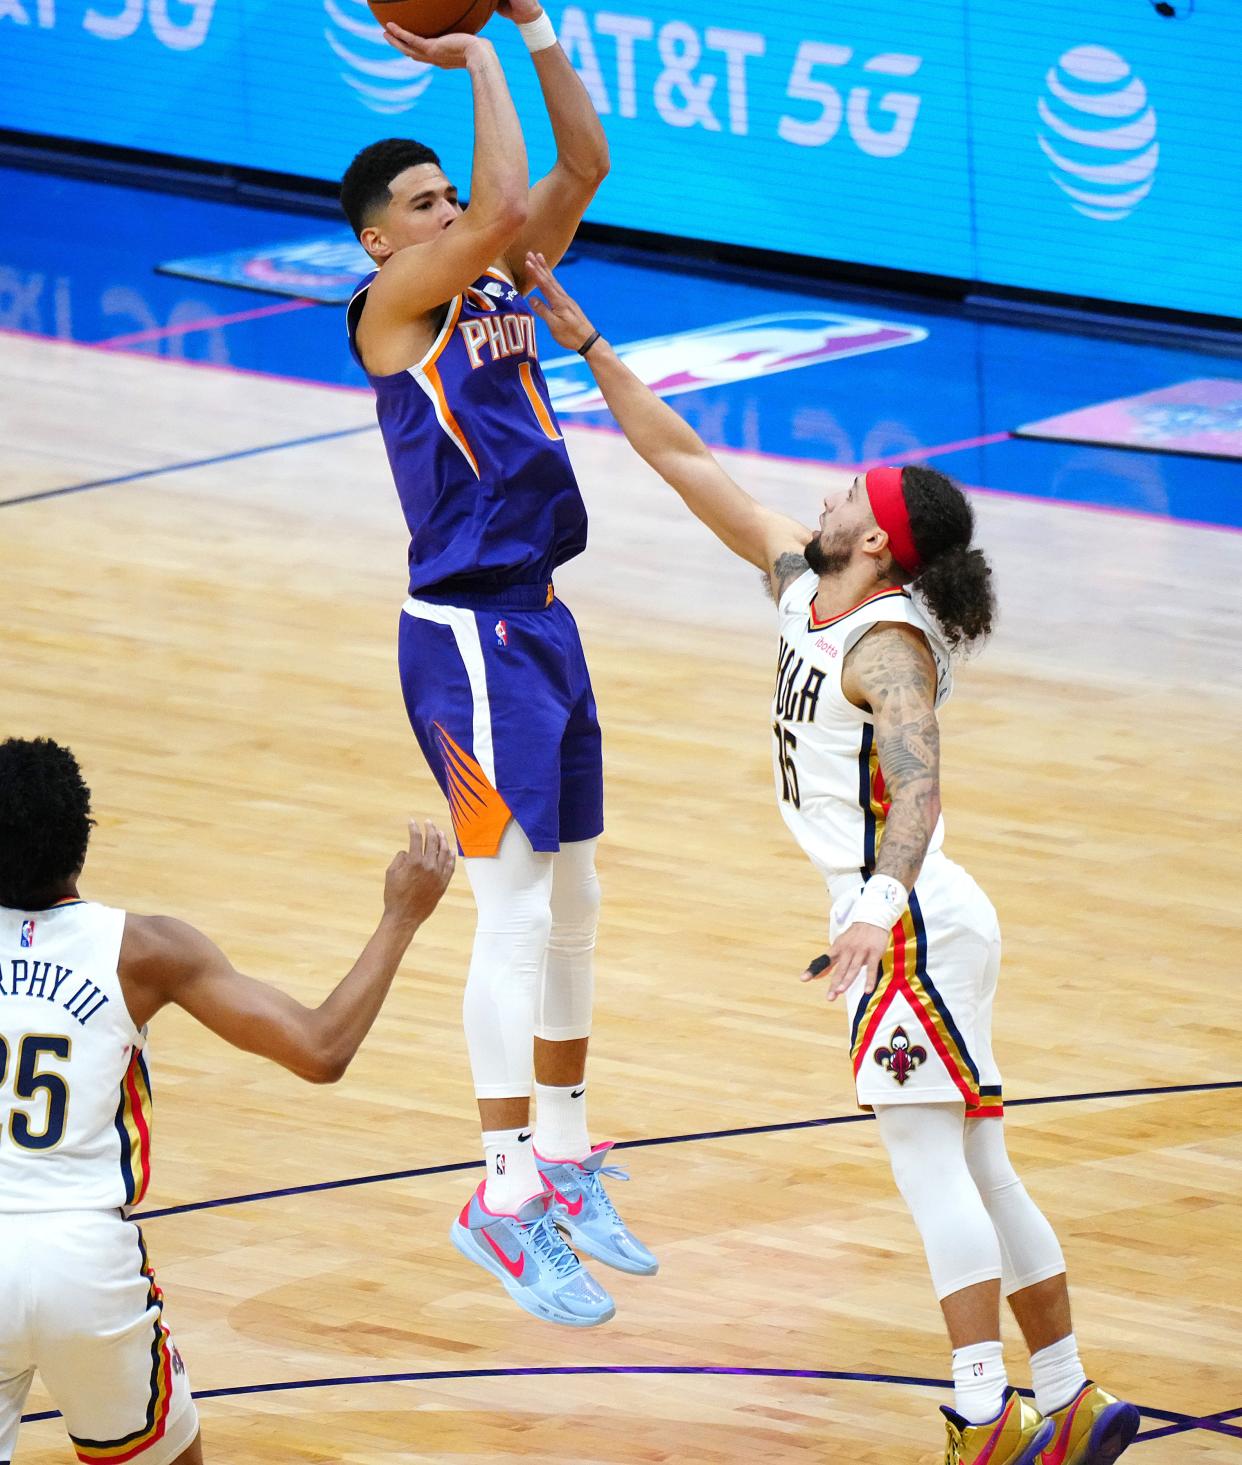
[[512, 597], [864, 799], [942, 1007], [156, 1300]]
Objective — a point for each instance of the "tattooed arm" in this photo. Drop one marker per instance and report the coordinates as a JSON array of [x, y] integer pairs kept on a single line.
[[891, 674]]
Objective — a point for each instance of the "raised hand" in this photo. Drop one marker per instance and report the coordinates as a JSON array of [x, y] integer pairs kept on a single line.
[[419, 876], [520, 12], [449, 53], [562, 315]]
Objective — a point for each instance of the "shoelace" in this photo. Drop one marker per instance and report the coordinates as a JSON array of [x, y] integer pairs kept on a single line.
[[547, 1242], [595, 1184]]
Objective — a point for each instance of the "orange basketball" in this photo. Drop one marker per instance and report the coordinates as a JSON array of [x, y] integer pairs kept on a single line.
[[434, 17]]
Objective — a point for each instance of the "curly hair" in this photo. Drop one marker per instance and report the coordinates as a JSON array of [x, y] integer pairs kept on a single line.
[[955, 580], [45, 821], [364, 188]]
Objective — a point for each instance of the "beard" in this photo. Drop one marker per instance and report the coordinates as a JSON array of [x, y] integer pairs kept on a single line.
[[827, 559]]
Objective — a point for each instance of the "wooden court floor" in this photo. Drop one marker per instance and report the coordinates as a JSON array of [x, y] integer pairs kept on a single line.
[[217, 644]]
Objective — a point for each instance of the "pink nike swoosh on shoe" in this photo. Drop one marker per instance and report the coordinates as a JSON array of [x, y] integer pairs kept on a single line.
[[514, 1268], [1055, 1453], [985, 1455], [573, 1207]]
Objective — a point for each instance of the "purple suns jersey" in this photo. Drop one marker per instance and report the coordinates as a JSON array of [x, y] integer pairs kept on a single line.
[[485, 483]]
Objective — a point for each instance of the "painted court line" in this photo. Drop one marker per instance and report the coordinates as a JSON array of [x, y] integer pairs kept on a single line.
[[296, 442], [207, 323], [1214, 1423], [786, 1127], [1182, 1422], [915, 455], [921, 455]]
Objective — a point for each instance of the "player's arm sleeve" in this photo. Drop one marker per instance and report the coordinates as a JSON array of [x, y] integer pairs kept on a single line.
[[893, 672]]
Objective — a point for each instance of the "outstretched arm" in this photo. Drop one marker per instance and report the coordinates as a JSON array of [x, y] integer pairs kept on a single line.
[[670, 445], [558, 201], [420, 277], [167, 961]]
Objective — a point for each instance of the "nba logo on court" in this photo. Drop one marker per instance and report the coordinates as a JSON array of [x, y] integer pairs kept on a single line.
[[502, 633], [28, 933]]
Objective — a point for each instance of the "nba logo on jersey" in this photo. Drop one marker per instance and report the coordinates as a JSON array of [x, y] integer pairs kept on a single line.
[[502, 633], [28, 933]]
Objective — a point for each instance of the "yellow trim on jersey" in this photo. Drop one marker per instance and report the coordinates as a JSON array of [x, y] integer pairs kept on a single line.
[[134, 1121]]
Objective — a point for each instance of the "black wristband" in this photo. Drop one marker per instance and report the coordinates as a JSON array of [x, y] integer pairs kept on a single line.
[[588, 343]]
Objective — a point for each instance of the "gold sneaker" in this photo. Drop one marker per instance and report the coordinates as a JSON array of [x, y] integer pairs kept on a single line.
[[1014, 1437], [1092, 1429]]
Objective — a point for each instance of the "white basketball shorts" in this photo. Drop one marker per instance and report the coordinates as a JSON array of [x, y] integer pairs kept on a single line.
[[924, 1036], [82, 1307]]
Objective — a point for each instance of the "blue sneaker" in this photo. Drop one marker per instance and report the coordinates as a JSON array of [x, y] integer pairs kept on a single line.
[[528, 1256], [581, 1207]]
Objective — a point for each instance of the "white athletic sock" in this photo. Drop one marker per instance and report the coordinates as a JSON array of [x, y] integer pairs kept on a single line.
[[979, 1381], [560, 1122], [1056, 1375], [512, 1175]]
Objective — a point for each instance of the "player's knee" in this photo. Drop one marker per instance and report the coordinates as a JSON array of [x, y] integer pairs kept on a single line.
[[990, 1166], [924, 1148], [575, 912], [521, 927]]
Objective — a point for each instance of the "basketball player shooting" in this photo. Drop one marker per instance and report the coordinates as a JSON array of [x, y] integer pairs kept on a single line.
[[492, 669], [871, 605], [79, 982]]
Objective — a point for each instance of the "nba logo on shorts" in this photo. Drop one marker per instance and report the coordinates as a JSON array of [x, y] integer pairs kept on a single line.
[[502, 633], [28, 933]]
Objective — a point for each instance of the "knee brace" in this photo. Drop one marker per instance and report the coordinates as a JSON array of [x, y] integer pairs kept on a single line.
[[567, 991], [925, 1145], [1030, 1251]]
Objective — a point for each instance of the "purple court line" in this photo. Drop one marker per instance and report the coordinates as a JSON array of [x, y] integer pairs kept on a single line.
[[920, 455], [785, 1127], [1151, 516], [209, 322], [822, 1375], [916, 455], [296, 442], [228, 368], [1215, 1423]]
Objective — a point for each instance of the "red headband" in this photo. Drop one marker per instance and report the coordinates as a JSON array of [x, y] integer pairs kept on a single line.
[[888, 504]]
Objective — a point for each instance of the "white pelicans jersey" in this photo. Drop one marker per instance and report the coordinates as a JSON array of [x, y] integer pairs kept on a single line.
[[75, 1098], [828, 776]]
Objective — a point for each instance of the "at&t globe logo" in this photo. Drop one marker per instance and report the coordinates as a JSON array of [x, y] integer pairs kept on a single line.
[[1099, 132], [383, 81]]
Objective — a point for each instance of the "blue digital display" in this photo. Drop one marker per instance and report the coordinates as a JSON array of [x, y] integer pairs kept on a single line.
[[1091, 150]]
